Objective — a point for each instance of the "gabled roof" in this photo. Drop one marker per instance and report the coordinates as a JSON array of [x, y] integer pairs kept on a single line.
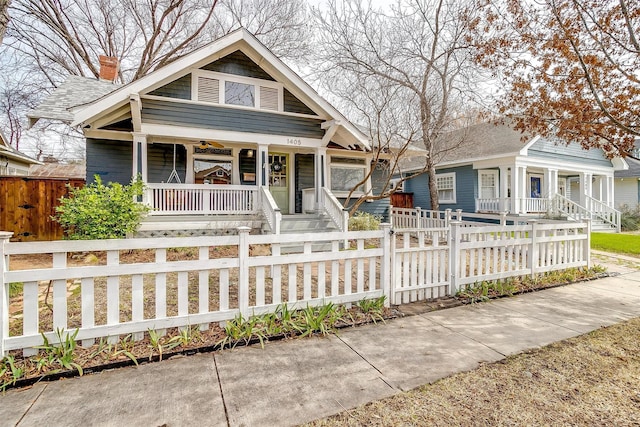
[[75, 91], [633, 170], [240, 39], [11, 153]]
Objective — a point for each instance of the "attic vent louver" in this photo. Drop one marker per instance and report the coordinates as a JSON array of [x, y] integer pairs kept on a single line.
[[208, 90], [268, 98]]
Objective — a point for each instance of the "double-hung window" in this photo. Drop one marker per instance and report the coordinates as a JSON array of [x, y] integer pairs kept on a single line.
[[488, 184], [347, 173], [446, 183]]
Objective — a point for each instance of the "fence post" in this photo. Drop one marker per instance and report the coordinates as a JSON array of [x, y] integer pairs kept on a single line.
[[459, 214], [533, 252], [392, 266], [243, 270], [587, 243], [447, 217], [418, 218], [503, 218], [385, 264], [4, 289], [454, 256], [392, 219]]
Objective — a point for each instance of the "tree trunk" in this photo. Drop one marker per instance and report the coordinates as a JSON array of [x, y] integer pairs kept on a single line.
[[433, 185], [4, 17]]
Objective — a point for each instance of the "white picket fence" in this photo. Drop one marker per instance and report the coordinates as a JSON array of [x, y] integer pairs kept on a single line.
[[121, 296]]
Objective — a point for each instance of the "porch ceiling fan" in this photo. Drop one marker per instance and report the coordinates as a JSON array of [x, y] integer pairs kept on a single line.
[[210, 144]]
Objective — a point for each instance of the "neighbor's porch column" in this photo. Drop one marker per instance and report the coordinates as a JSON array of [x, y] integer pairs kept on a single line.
[[504, 189], [586, 188], [319, 175], [262, 166], [139, 156], [550, 183], [610, 191], [515, 189]]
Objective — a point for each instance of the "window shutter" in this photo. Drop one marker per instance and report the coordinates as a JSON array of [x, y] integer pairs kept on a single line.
[[268, 98], [208, 90]]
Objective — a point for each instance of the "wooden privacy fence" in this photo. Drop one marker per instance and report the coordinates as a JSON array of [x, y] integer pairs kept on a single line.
[[27, 204], [135, 285]]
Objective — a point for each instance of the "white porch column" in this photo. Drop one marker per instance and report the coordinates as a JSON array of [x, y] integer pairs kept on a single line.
[[550, 183], [610, 191], [235, 169], [515, 189], [585, 188], [504, 188], [525, 189], [139, 156], [262, 166], [319, 175]]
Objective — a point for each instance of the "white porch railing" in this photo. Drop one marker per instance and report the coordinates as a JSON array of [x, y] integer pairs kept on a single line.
[[200, 199], [419, 218], [533, 205], [270, 210], [493, 205], [335, 210], [594, 209]]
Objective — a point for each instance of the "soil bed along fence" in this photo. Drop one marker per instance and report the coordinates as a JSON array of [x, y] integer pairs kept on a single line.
[[110, 288]]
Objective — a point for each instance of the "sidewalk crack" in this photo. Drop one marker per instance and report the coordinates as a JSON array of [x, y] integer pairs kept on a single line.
[[32, 403], [382, 377], [224, 403]]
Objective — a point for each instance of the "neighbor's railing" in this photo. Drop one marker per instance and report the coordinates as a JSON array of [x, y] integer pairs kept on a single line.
[[602, 211], [270, 210], [199, 199], [419, 218]]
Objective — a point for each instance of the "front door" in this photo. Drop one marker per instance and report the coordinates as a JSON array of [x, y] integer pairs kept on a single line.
[[536, 187], [279, 180]]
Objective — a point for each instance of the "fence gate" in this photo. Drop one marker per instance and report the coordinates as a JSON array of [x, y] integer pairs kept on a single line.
[[27, 204]]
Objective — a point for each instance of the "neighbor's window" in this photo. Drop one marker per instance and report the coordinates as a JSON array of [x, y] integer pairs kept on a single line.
[[488, 184], [446, 183], [347, 173]]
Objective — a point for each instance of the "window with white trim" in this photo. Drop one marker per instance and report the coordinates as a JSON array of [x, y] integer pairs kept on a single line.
[[446, 183], [347, 173], [227, 89], [488, 184]]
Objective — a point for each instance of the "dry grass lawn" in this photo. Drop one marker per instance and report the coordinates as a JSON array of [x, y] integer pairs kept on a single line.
[[591, 380]]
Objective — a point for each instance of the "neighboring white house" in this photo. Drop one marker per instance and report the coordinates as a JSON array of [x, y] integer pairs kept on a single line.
[[13, 162], [627, 182]]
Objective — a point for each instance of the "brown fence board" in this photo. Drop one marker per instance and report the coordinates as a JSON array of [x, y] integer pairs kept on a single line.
[[27, 204]]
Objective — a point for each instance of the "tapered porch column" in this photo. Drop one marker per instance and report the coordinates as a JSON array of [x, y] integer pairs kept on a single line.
[[610, 191], [319, 175], [139, 156], [504, 189], [262, 166]]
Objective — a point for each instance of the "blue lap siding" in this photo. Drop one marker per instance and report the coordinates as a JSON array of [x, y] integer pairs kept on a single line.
[[466, 189]]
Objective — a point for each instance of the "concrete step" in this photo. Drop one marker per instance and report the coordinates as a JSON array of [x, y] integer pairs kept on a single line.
[[310, 223]]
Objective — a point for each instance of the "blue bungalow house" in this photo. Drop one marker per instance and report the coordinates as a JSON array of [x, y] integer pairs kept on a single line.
[[492, 168], [225, 136]]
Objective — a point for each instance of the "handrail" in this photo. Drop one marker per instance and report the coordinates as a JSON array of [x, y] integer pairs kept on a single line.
[[604, 212], [335, 210], [270, 210]]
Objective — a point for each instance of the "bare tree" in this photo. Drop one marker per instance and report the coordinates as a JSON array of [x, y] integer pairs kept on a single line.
[[418, 51], [52, 39], [4, 17]]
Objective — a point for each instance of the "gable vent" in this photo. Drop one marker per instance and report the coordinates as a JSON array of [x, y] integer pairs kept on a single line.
[[208, 90], [268, 98]]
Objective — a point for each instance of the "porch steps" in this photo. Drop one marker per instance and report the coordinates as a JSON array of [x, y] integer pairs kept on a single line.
[[307, 223]]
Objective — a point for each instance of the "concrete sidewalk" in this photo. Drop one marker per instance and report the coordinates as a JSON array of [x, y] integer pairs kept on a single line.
[[290, 382]]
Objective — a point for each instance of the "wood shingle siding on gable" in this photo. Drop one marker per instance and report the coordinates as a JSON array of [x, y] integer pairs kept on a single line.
[[231, 119], [466, 189], [239, 64], [543, 148], [109, 159], [180, 89], [294, 105]]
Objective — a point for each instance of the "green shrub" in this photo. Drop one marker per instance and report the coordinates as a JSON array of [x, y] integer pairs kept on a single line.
[[362, 221], [99, 211]]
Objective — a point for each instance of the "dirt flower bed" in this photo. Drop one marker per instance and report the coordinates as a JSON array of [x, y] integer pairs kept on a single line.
[[55, 361], [591, 380]]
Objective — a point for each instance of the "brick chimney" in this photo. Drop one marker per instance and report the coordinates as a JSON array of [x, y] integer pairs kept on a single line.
[[109, 68]]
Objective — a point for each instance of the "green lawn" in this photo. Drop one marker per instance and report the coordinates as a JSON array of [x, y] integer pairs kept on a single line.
[[620, 243]]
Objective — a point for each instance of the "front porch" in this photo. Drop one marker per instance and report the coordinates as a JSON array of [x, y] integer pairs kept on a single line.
[[532, 190]]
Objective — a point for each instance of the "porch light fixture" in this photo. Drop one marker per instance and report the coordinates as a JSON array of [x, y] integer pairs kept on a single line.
[[210, 144], [250, 154]]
